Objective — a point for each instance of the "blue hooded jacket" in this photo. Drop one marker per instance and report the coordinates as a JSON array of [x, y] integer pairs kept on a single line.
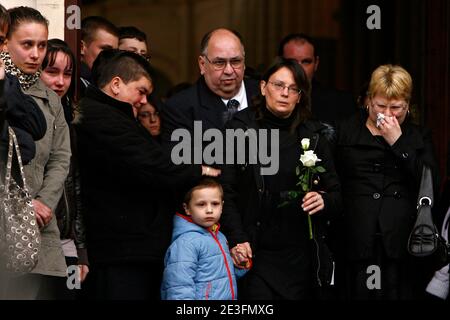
[[198, 265]]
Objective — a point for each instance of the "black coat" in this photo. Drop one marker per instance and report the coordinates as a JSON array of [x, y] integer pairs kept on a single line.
[[330, 105], [380, 185], [243, 217], [23, 114], [197, 103], [126, 182]]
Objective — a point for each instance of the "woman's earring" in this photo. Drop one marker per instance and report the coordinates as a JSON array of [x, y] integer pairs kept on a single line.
[[367, 107]]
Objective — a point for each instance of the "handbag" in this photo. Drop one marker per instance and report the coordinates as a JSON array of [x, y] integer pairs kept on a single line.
[[425, 240], [20, 237]]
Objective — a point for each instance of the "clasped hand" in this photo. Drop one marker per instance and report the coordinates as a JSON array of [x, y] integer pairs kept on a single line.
[[389, 129], [241, 255]]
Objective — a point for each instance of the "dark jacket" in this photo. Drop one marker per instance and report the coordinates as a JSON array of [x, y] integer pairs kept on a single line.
[[85, 78], [125, 180], [329, 104], [20, 112], [380, 184], [245, 191], [198, 103]]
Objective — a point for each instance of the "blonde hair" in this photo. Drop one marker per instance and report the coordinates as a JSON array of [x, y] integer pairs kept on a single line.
[[391, 81]]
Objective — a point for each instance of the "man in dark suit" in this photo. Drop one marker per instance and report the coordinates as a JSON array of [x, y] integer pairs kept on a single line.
[[220, 91], [327, 104]]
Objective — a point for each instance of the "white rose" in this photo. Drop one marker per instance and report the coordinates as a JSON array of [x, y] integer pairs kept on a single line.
[[309, 158], [305, 143]]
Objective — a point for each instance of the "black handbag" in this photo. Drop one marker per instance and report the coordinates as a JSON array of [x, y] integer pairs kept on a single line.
[[425, 240]]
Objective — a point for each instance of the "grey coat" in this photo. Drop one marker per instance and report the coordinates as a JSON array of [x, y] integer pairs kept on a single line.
[[46, 174]]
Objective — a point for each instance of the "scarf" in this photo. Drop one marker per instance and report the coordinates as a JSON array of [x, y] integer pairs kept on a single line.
[[25, 80]]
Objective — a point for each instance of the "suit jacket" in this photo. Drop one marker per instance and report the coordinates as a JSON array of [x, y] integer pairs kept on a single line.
[[198, 103], [380, 185], [330, 105]]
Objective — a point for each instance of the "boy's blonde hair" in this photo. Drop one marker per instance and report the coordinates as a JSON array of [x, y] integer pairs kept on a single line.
[[391, 81]]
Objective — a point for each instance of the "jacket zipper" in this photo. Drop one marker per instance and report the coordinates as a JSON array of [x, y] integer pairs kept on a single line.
[[208, 289], [318, 262], [230, 278]]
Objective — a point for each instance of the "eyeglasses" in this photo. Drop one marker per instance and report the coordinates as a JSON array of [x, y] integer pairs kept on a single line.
[[220, 64], [280, 86], [394, 109]]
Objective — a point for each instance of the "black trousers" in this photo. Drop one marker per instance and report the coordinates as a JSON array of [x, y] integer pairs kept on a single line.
[[131, 281], [30, 287], [400, 279]]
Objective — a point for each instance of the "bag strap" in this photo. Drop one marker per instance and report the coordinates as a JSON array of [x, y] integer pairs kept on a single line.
[[14, 144], [426, 188]]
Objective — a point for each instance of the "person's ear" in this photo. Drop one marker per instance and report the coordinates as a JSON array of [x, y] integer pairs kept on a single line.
[[201, 64], [4, 46], [316, 65], [83, 48], [115, 85], [262, 86], [186, 209]]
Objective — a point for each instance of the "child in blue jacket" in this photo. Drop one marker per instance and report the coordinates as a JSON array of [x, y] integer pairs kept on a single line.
[[198, 265]]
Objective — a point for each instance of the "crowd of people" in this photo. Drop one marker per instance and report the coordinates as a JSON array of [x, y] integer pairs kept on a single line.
[[111, 201]]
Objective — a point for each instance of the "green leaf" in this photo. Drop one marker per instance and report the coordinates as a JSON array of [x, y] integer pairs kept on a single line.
[[297, 170], [320, 169], [305, 187], [292, 194], [285, 203]]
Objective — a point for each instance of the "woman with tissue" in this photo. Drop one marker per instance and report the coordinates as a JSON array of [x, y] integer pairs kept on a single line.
[[379, 159]]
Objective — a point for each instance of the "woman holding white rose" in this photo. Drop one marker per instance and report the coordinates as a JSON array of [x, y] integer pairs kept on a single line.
[[275, 237], [379, 158]]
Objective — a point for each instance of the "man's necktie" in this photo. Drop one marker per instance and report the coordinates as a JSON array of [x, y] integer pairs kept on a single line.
[[232, 108]]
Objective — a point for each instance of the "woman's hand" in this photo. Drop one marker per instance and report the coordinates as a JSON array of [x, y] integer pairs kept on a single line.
[[210, 171], [241, 255], [313, 202], [43, 213], [84, 270], [390, 129]]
